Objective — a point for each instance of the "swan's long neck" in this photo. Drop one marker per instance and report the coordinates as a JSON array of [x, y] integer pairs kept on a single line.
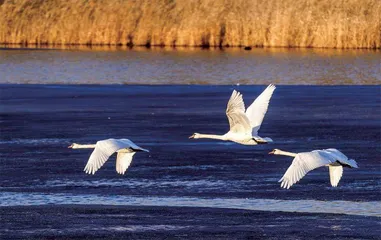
[[219, 137], [290, 154], [84, 146]]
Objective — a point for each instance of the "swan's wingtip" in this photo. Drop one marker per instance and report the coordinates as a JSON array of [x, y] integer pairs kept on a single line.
[[235, 93], [285, 184]]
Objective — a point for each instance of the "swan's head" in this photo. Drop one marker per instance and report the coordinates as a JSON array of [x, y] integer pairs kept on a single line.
[[195, 135], [74, 146], [275, 151]]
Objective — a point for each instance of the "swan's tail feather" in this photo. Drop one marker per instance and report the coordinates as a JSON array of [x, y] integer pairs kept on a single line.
[[267, 139], [261, 140], [353, 163], [144, 150]]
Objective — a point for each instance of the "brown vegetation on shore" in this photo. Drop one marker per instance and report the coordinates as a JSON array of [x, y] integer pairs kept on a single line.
[[220, 23]]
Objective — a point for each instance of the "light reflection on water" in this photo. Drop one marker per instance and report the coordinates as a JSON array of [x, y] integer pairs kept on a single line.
[[302, 206], [190, 66], [33, 142], [140, 183]]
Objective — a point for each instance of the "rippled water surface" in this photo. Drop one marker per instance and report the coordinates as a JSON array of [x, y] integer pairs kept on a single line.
[[190, 66], [185, 188]]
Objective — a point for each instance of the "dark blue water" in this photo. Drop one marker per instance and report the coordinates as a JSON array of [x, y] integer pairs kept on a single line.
[[185, 188]]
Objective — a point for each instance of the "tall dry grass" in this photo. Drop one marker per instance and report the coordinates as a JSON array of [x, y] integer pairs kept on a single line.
[[268, 23]]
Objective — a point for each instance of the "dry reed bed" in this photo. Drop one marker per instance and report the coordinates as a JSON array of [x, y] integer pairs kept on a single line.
[[221, 23]]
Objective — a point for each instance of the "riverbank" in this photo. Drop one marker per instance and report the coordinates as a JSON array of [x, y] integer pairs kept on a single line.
[[206, 23]]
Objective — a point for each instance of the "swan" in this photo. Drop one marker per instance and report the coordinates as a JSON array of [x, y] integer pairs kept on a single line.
[[105, 148], [306, 161], [244, 126]]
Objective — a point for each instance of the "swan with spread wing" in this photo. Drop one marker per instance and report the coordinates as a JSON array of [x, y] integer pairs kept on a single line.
[[307, 161], [105, 148], [244, 125]]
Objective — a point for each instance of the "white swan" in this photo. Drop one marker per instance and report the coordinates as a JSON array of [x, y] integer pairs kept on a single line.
[[105, 148], [307, 161], [244, 126]]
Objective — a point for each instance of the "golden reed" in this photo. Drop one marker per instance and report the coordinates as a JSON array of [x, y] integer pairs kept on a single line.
[[207, 23]]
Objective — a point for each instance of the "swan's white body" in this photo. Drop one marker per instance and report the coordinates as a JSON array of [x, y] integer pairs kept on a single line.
[[244, 125], [105, 148], [307, 161]]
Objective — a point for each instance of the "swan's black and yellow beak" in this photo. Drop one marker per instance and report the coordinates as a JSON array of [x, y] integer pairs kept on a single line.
[[272, 152], [71, 146], [192, 136]]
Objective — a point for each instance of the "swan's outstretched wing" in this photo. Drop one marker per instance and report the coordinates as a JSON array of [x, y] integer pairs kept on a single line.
[[340, 157], [235, 111], [336, 168], [104, 149], [301, 165], [257, 110], [123, 161], [335, 173]]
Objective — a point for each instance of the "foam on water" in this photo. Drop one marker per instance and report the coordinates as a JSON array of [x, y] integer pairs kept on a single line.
[[302, 206]]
